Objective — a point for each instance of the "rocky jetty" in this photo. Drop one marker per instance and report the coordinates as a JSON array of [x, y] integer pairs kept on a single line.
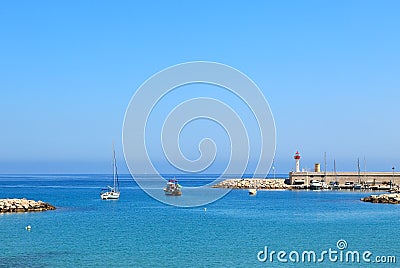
[[23, 205], [261, 184], [383, 198], [395, 190]]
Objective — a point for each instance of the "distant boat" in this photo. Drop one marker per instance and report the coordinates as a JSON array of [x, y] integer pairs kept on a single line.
[[334, 185], [348, 185], [315, 185], [357, 186], [112, 192], [173, 188], [252, 191], [324, 186]]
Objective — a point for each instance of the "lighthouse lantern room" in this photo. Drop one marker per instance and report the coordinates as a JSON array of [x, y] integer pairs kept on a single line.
[[297, 158]]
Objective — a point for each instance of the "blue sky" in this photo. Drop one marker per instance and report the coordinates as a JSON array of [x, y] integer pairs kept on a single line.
[[329, 70]]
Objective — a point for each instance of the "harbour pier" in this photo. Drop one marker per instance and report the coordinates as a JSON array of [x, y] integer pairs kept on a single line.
[[343, 180], [374, 180]]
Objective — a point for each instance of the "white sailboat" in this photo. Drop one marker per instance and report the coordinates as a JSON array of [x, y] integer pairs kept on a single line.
[[112, 192]]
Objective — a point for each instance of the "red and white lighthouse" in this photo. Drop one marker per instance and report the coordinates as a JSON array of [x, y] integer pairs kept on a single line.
[[297, 158]]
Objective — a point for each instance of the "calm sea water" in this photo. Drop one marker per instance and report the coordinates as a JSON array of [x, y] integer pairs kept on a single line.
[[137, 231]]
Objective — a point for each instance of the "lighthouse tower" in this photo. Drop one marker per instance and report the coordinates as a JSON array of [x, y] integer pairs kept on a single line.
[[297, 158]]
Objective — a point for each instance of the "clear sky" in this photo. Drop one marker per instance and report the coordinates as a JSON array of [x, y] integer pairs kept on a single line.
[[330, 71]]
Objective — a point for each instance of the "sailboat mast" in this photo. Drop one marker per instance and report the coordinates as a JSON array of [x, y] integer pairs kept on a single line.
[[358, 169], [116, 181], [365, 169], [334, 168], [116, 173], [114, 167], [326, 179]]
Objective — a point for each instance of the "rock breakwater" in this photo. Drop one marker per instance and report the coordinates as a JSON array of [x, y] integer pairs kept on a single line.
[[383, 198], [254, 183], [23, 205]]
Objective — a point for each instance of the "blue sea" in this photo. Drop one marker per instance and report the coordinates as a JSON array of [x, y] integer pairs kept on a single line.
[[138, 231]]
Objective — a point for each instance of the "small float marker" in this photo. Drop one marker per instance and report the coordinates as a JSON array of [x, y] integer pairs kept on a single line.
[[205, 209], [28, 227]]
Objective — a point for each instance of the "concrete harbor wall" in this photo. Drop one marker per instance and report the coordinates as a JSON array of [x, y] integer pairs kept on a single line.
[[367, 179], [370, 178]]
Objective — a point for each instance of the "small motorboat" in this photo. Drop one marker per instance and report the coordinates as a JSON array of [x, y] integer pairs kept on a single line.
[[334, 185], [173, 188], [348, 185], [315, 185], [324, 186]]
